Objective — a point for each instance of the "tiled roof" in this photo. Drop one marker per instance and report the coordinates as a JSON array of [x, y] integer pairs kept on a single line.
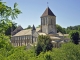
[[48, 12], [25, 32], [40, 33]]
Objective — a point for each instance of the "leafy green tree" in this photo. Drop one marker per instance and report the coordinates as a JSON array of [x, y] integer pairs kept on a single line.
[[5, 42], [60, 29], [74, 35], [8, 31], [7, 12], [29, 27], [38, 49], [70, 28], [38, 26], [44, 44]]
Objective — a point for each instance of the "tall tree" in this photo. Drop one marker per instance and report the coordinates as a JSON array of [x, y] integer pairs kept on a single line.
[[44, 44], [74, 35], [7, 12], [60, 29]]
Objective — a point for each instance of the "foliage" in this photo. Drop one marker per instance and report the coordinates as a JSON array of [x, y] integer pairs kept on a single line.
[[7, 12], [5, 42], [13, 27], [68, 51], [29, 27], [68, 29], [71, 28], [74, 35], [44, 44], [60, 29], [38, 26]]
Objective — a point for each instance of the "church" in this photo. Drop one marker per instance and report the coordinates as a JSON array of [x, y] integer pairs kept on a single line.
[[20, 36]]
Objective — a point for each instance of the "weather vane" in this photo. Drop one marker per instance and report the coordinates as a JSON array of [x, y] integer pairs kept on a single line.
[[47, 4]]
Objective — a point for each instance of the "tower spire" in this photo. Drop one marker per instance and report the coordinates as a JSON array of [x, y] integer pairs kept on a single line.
[[33, 28]]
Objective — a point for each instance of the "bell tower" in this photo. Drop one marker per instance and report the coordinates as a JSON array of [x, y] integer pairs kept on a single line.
[[48, 22]]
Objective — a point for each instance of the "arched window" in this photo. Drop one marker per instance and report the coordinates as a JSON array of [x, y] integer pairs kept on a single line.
[[45, 20]]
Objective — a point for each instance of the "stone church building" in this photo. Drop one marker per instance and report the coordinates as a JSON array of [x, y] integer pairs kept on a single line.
[[27, 37]]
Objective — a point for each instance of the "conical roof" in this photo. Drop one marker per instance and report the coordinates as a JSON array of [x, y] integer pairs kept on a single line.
[[47, 12], [33, 28]]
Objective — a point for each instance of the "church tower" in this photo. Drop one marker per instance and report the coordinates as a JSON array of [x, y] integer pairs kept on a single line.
[[48, 22]]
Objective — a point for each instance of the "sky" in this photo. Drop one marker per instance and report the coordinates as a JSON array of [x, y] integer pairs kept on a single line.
[[67, 11]]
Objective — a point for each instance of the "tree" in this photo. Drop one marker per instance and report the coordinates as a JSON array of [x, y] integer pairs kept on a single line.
[[60, 29], [38, 26], [38, 49], [44, 44], [29, 27], [5, 42], [70, 28], [74, 36], [7, 12], [8, 31]]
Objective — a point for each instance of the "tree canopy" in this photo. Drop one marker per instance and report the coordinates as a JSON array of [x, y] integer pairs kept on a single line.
[[74, 35], [6, 12], [29, 27], [44, 44]]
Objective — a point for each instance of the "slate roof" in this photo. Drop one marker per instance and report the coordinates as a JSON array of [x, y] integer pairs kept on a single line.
[[19, 28], [47, 12]]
